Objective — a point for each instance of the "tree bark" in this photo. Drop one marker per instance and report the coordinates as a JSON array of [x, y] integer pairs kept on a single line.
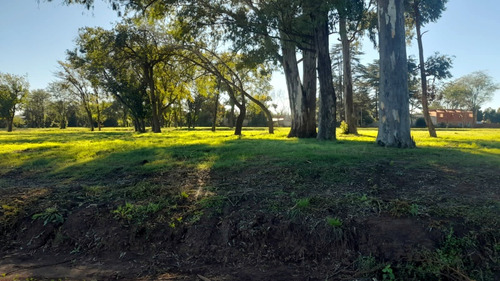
[[423, 78], [394, 123], [327, 104], [347, 73], [303, 124]]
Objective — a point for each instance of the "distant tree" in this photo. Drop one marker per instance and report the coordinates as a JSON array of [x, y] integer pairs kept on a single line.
[[394, 123], [13, 90], [60, 101], [491, 116], [423, 12], [369, 78], [76, 82], [35, 108], [470, 91]]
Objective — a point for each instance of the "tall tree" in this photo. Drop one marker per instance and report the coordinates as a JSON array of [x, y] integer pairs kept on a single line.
[[13, 89], [423, 12], [394, 123], [354, 17]]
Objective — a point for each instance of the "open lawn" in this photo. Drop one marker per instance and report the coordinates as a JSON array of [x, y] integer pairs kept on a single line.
[[194, 204]]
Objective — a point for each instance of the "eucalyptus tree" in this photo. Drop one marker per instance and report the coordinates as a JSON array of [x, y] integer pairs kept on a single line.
[[13, 90], [353, 17], [394, 121], [421, 13]]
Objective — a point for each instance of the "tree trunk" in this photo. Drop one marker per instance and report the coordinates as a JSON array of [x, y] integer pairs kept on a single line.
[[423, 78], [309, 71], [394, 124], [155, 118], [90, 119], [216, 107], [346, 65], [298, 98], [241, 117], [327, 105], [10, 122], [99, 123], [264, 109]]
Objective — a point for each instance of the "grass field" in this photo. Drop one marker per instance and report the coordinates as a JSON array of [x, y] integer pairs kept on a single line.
[[325, 210]]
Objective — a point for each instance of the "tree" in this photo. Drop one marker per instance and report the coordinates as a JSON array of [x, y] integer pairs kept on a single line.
[[394, 123], [354, 16], [13, 89], [78, 84], [60, 101], [423, 12], [35, 108], [470, 91]]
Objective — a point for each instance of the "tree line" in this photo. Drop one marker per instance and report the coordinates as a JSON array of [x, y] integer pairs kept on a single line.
[[167, 58]]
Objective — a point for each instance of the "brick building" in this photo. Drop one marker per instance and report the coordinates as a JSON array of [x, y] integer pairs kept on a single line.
[[451, 118]]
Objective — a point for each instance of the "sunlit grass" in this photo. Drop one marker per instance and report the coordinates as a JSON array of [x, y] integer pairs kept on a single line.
[[79, 153]]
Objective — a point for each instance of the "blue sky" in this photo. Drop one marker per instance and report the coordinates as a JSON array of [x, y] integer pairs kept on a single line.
[[34, 36]]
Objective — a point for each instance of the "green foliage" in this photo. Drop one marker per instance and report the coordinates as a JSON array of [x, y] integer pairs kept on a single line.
[[137, 212], [334, 221], [50, 215], [303, 204], [388, 274]]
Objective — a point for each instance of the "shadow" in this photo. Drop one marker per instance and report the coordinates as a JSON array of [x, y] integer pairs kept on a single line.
[[210, 197]]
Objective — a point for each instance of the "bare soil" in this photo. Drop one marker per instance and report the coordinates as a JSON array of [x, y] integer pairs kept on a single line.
[[256, 230]]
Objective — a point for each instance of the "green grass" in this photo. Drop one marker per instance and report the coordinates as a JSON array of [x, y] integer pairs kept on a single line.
[[182, 177], [77, 153]]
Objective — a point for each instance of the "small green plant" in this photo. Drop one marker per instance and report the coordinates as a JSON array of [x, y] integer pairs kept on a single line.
[[334, 222], [184, 195], [50, 215], [414, 210], [124, 212], [388, 274], [344, 128], [303, 203], [131, 211]]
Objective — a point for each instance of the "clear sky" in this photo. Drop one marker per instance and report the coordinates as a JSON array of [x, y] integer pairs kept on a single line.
[[34, 35]]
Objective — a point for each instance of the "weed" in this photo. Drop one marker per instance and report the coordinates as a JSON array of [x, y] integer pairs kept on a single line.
[[303, 204], [414, 210], [50, 215], [388, 274], [124, 212], [334, 222], [137, 212]]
